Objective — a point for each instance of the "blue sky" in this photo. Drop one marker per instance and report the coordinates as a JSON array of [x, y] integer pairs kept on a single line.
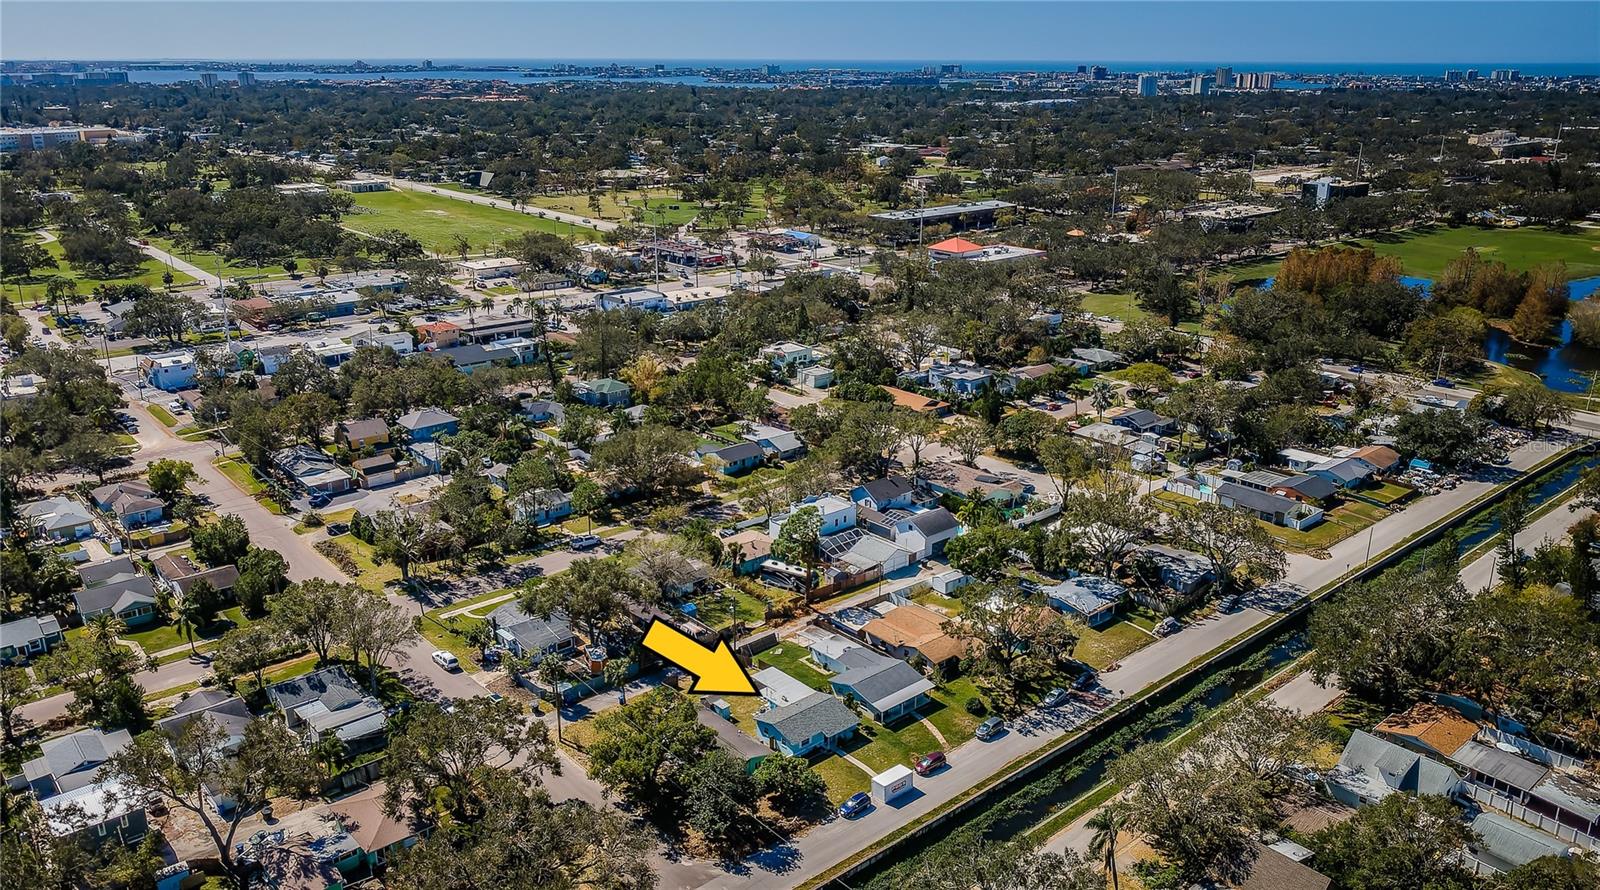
[[1529, 31]]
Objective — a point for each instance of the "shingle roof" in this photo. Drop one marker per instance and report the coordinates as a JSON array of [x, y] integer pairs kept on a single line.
[[1087, 594], [364, 429], [935, 521], [881, 681], [888, 488], [424, 418], [1502, 766], [116, 595], [1310, 486], [740, 452], [19, 633], [816, 713], [531, 632]]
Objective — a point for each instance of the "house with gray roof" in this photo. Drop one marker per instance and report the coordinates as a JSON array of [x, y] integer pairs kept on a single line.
[[60, 519], [330, 702], [1503, 843], [227, 712], [133, 503], [1371, 769], [1268, 507], [427, 424], [132, 598], [313, 470], [115, 569], [887, 687], [24, 638], [1186, 572], [817, 721], [1091, 599], [603, 392], [72, 761], [542, 506], [737, 459], [532, 636], [1098, 359], [1345, 472]]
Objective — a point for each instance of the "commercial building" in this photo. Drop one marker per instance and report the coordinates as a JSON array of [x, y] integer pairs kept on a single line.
[[1201, 84], [972, 252], [1328, 188], [1149, 85], [965, 215], [14, 140]]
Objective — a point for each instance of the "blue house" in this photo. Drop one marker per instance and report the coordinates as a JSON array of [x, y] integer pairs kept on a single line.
[[1089, 598], [603, 393], [817, 721], [542, 506], [887, 687], [133, 503], [427, 424], [737, 459]]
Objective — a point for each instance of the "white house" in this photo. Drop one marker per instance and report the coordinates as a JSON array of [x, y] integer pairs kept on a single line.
[[837, 514], [400, 341]]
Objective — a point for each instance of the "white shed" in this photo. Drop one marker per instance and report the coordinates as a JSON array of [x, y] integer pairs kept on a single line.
[[892, 783]]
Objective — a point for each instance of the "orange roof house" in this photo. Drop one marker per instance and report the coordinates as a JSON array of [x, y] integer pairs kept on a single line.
[[919, 403], [953, 247], [441, 334], [915, 630], [1428, 728]]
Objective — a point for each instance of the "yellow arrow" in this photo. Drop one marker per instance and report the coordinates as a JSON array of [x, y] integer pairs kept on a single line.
[[716, 671]]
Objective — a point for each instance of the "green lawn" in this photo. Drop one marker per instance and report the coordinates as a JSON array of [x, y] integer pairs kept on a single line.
[[449, 634], [665, 206], [163, 415], [149, 274], [949, 605], [160, 637], [1425, 252], [843, 779], [373, 576], [232, 269], [721, 608], [794, 660], [1341, 522], [881, 747], [1099, 647], [1388, 493], [237, 472], [436, 220], [1123, 308], [949, 710]]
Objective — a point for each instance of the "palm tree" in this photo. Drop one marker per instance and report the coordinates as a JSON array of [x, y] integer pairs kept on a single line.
[[189, 618], [328, 750], [462, 246], [103, 628], [1107, 825], [616, 674], [550, 674], [1101, 398]]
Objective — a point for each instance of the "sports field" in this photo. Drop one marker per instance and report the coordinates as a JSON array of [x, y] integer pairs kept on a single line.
[[1424, 252], [436, 220]]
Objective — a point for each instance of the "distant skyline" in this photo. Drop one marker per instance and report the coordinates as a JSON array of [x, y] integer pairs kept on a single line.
[[1443, 32]]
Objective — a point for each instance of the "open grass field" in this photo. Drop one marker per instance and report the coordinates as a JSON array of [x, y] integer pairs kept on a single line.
[[1425, 252], [1123, 308], [29, 291], [231, 269], [662, 207], [436, 221], [1099, 647]]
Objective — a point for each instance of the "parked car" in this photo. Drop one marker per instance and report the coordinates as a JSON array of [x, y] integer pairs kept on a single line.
[[858, 804], [1228, 604], [930, 762], [1054, 698], [335, 529], [319, 500], [1168, 626], [446, 660], [1358, 369], [175, 406], [584, 542], [1443, 382], [990, 728], [1086, 680]]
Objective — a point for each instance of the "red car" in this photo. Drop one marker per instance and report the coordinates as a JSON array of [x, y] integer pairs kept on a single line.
[[929, 763]]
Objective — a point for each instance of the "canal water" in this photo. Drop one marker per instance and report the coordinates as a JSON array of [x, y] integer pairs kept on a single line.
[[1564, 367], [1013, 811]]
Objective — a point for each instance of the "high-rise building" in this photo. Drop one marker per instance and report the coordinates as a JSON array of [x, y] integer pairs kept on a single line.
[[1083, 69], [774, 70], [950, 69], [1098, 72], [208, 79], [1472, 74], [1452, 75], [1149, 85], [1200, 84], [1224, 77], [247, 78], [1505, 75]]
